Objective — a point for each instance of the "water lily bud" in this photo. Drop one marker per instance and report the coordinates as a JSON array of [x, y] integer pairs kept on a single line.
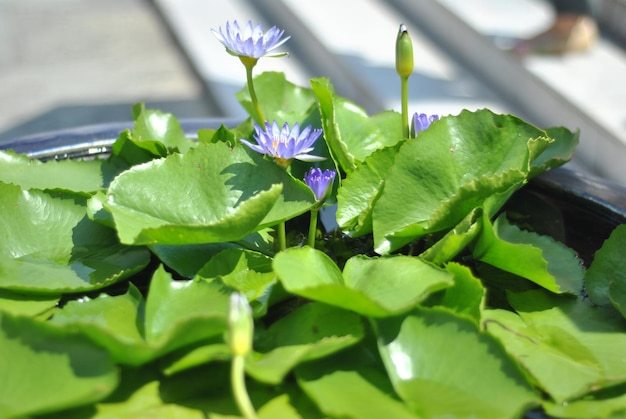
[[420, 122], [404, 53], [240, 325], [320, 182]]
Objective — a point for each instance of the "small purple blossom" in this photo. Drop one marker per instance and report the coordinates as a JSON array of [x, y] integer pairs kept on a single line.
[[320, 182], [285, 144], [250, 41], [420, 122]]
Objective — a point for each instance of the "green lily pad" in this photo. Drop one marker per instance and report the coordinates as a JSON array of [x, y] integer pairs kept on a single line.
[[610, 403], [132, 151], [559, 153], [539, 259], [349, 385], [24, 304], [467, 296], [136, 331], [567, 345], [605, 278], [360, 190], [375, 287], [456, 240], [47, 368], [153, 125], [49, 246], [350, 133], [310, 332], [194, 394], [246, 271], [281, 100], [218, 197], [417, 350], [475, 159], [71, 175]]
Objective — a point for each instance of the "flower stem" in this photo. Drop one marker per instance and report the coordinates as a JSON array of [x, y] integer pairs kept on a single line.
[[313, 227], [404, 83], [238, 382], [281, 236], [260, 117]]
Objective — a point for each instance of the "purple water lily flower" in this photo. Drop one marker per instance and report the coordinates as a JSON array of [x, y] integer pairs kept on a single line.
[[250, 41], [420, 122], [320, 182], [285, 144]]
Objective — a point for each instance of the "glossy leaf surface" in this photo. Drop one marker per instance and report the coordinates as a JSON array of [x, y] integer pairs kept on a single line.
[[135, 331], [606, 278], [445, 181], [78, 176], [567, 345], [538, 258], [366, 390], [47, 368], [49, 246], [417, 350], [370, 286], [350, 134], [310, 332], [210, 194]]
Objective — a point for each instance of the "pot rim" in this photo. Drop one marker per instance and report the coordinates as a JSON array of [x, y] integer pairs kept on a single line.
[[92, 140]]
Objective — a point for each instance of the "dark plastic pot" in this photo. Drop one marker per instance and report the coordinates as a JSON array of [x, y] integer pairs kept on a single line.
[[576, 208]]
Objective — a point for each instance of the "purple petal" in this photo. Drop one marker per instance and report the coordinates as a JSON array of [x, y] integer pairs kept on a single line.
[[248, 40], [319, 181], [254, 147]]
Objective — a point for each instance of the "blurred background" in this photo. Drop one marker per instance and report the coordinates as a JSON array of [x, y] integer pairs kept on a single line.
[[68, 63]]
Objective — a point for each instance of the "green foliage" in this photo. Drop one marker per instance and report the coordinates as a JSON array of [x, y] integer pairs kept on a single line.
[[425, 301]]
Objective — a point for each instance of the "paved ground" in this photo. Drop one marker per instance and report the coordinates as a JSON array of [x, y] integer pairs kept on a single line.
[[73, 62]]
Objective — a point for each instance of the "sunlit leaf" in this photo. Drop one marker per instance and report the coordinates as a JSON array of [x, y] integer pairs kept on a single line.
[[46, 368], [369, 286], [281, 100], [351, 386], [417, 350], [24, 304], [71, 175], [539, 259], [606, 277], [246, 271], [438, 178], [135, 331], [467, 295], [50, 246], [310, 332], [567, 345], [209, 194], [360, 190], [153, 125], [350, 133]]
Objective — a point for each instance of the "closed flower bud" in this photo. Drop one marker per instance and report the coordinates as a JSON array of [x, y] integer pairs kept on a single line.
[[240, 325], [404, 53]]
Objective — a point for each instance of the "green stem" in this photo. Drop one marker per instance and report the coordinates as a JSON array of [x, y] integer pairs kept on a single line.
[[260, 117], [313, 227], [238, 382], [281, 236], [405, 106]]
